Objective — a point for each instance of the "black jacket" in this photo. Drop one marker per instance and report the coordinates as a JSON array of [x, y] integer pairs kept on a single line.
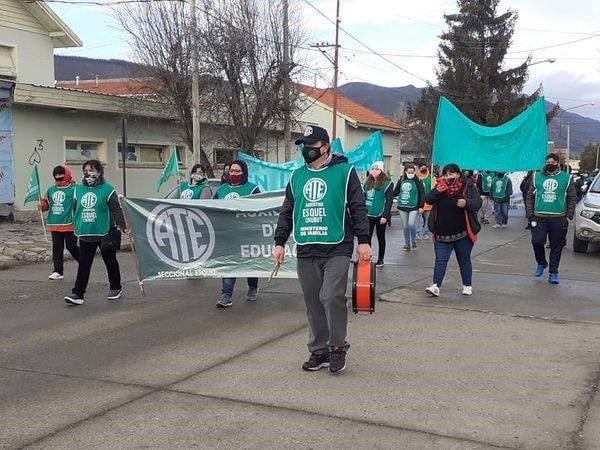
[[356, 222], [571, 201], [471, 195], [420, 191]]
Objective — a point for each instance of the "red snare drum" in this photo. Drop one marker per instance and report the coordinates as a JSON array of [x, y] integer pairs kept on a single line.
[[363, 287]]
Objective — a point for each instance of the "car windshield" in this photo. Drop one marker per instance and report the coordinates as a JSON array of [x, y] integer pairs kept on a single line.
[[595, 187]]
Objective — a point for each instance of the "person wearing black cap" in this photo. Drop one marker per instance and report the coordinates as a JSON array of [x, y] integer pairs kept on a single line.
[[237, 186], [325, 208]]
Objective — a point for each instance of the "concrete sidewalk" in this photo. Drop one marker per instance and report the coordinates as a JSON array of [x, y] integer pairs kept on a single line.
[[517, 365]]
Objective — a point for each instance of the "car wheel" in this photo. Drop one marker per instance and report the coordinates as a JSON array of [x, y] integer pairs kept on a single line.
[[579, 246]]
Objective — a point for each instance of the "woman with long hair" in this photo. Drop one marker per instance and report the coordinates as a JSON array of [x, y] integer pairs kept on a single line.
[[196, 187], [453, 222], [411, 198], [379, 194]]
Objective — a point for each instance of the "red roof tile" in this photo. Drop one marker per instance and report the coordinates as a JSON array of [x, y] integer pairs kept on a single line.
[[123, 87], [355, 111]]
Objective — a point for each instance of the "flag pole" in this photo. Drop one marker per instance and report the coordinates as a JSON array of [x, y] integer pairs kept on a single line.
[[40, 202], [133, 252]]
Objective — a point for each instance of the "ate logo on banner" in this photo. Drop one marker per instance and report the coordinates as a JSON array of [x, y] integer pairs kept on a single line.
[[314, 190], [180, 236]]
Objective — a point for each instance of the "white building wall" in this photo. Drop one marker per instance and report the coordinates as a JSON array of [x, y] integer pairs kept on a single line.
[[34, 55]]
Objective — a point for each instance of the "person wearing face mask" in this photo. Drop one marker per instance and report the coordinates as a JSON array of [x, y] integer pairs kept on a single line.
[[325, 208], [411, 199], [379, 195], [58, 201], [236, 187], [196, 187], [423, 218], [549, 205], [97, 212], [502, 189], [225, 175], [453, 222]]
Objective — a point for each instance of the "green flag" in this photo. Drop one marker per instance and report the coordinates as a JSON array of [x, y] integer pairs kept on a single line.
[[170, 170], [33, 191]]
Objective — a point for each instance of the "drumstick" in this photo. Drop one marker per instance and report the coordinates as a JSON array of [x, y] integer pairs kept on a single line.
[[275, 271]]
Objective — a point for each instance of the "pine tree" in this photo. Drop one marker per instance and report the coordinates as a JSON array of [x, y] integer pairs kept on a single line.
[[472, 72]]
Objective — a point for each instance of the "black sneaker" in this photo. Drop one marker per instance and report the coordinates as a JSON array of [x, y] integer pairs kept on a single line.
[[337, 361], [406, 248], [74, 299], [114, 294], [316, 361], [379, 263]]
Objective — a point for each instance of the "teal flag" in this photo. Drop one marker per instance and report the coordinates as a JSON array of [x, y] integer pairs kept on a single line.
[[180, 239], [170, 170], [270, 176], [518, 145], [33, 190]]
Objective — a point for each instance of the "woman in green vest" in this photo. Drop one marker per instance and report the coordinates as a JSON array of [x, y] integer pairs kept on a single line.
[[379, 195], [97, 212], [501, 191], [411, 198], [196, 188], [237, 186], [59, 204]]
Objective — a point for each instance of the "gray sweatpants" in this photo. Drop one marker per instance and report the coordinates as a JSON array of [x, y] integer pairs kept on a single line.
[[323, 282]]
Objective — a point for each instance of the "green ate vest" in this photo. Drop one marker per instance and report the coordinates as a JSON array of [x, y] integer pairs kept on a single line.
[[92, 214], [226, 191], [320, 203], [426, 184], [409, 194], [189, 192], [551, 193], [487, 179], [60, 205], [375, 199], [499, 188]]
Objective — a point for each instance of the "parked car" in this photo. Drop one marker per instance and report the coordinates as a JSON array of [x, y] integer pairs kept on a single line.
[[587, 217], [212, 183]]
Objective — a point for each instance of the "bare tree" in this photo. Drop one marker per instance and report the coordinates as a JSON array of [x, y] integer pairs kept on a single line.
[[241, 42], [240, 49]]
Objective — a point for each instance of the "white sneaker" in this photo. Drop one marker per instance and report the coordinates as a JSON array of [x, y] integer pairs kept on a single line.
[[55, 276], [467, 290], [497, 226], [433, 290]]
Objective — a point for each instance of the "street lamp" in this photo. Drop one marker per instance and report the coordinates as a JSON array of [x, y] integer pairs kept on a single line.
[[547, 60], [569, 126]]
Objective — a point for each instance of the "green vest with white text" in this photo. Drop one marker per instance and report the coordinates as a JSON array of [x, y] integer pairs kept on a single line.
[[551, 193], [499, 188], [191, 192], [92, 213], [60, 205], [487, 179], [320, 203], [227, 191], [409, 194], [375, 199]]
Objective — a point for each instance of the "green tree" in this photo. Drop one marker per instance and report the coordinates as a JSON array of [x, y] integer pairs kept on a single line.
[[472, 72], [587, 159]]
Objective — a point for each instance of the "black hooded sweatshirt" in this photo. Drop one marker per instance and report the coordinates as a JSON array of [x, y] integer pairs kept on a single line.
[[356, 222]]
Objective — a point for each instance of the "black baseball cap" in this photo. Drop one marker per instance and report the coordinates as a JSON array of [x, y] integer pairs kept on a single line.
[[312, 134]]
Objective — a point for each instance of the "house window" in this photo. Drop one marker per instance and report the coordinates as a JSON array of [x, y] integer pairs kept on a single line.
[[79, 151], [222, 156], [387, 163], [144, 154], [181, 155]]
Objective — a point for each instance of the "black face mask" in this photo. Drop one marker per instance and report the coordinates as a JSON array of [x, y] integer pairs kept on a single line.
[[451, 181], [551, 167], [311, 154]]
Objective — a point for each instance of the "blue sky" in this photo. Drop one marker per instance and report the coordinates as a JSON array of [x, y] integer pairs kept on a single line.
[[408, 32]]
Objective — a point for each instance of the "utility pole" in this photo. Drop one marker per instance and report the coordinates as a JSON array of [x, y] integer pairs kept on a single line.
[[568, 139], [287, 129], [597, 154], [124, 153], [195, 84], [336, 68]]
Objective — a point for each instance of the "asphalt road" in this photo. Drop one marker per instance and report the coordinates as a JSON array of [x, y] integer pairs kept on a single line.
[[515, 365]]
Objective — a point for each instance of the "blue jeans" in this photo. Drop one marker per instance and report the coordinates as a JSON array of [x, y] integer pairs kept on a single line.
[[443, 250], [501, 212], [228, 284], [409, 221], [422, 225]]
